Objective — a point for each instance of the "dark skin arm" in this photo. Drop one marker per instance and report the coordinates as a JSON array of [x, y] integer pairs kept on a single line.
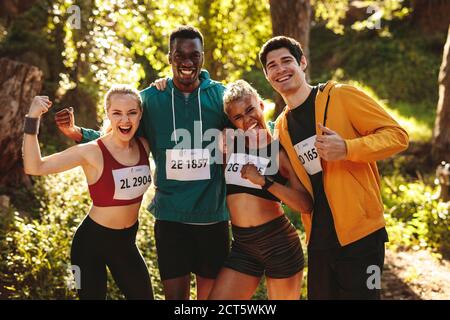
[[65, 121]]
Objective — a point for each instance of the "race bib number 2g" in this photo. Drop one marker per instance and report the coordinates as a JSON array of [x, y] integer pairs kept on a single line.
[[188, 164], [234, 167], [307, 153]]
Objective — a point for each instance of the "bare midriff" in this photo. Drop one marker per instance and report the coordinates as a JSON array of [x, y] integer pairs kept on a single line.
[[247, 210], [118, 217]]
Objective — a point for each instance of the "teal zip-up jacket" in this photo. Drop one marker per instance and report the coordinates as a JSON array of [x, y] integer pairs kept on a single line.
[[200, 201]]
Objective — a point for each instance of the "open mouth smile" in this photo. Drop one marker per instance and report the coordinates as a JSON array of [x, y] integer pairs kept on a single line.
[[187, 72], [283, 78], [253, 126], [125, 129]]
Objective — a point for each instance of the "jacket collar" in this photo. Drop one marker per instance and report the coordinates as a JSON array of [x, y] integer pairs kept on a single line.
[[283, 133]]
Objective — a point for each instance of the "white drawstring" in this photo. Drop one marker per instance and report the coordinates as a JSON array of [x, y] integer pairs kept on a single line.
[[173, 118], [199, 111]]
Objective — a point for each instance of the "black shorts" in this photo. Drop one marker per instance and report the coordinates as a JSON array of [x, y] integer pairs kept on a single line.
[[272, 248], [184, 248], [350, 272]]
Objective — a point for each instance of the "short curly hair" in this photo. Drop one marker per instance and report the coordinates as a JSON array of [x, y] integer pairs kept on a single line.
[[236, 91], [184, 32]]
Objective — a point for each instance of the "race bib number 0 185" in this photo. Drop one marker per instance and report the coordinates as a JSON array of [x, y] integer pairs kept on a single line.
[[307, 153], [188, 164]]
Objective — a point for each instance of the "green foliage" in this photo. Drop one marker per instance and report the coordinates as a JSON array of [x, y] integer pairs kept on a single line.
[[127, 42], [414, 215], [234, 31], [403, 67], [35, 252], [29, 40], [257, 79], [400, 71], [332, 13]]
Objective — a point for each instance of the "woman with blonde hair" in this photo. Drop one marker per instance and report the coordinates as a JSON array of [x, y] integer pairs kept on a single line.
[[118, 174]]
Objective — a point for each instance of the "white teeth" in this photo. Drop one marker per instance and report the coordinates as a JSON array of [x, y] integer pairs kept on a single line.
[[252, 126], [187, 72], [125, 130], [283, 79]]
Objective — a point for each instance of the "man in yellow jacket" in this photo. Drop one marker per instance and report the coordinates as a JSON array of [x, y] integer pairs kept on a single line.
[[334, 134]]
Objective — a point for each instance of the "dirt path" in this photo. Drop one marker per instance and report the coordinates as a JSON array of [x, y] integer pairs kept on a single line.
[[415, 275]]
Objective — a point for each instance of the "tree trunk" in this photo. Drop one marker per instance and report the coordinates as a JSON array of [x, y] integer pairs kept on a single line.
[[443, 176], [10, 9], [431, 16], [213, 66], [291, 18], [19, 83], [441, 134]]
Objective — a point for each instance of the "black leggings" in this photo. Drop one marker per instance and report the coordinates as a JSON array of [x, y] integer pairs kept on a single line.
[[94, 247]]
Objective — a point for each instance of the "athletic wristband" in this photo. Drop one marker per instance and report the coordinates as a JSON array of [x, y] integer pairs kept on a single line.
[[268, 182], [31, 125]]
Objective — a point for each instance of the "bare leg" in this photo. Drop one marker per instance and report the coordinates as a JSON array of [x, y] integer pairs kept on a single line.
[[177, 288], [234, 285], [286, 288], [204, 287]]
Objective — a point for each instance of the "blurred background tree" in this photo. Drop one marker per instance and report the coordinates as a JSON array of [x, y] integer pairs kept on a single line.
[[441, 133]]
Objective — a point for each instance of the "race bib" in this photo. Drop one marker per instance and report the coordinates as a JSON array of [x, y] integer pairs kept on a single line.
[[132, 182], [234, 167], [307, 153], [187, 164]]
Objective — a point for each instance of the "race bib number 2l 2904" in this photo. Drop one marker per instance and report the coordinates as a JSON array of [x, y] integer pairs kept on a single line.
[[188, 164], [131, 182], [307, 153]]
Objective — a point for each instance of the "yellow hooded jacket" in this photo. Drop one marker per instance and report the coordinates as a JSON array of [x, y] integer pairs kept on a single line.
[[352, 185]]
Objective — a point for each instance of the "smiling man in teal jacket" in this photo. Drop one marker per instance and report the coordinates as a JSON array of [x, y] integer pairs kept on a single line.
[[191, 228]]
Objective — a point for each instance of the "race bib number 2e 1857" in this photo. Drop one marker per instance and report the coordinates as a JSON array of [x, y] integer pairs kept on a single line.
[[188, 164]]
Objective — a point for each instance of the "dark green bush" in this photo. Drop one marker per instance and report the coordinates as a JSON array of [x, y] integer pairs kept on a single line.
[[402, 66], [415, 217], [35, 252]]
